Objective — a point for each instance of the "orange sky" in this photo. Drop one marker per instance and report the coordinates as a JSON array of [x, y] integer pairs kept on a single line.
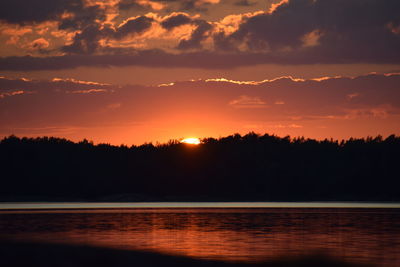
[[337, 107]]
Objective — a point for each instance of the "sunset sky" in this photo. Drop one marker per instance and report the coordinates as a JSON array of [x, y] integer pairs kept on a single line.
[[135, 71]]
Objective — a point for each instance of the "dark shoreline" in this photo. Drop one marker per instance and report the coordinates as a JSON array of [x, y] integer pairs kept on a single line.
[[43, 255]]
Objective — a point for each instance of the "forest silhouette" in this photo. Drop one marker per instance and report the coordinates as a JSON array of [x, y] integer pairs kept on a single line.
[[251, 167]]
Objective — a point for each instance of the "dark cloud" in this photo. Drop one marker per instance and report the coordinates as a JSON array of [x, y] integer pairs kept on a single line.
[[159, 58], [176, 21], [357, 30], [197, 36], [149, 58], [295, 32], [82, 18], [133, 26], [87, 42], [27, 12], [71, 15]]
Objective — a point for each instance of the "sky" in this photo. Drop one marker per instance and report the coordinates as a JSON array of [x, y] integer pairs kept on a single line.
[[135, 71]]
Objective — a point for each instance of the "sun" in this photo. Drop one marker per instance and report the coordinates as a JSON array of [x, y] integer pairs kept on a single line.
[[191, 140]]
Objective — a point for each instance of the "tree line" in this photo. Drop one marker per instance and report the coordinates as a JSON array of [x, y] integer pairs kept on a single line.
[[249, 167]]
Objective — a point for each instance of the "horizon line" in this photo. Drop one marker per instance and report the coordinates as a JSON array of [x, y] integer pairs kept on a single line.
[[178, 140]]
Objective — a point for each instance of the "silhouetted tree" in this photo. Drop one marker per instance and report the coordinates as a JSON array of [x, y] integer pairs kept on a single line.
[[250, 167]]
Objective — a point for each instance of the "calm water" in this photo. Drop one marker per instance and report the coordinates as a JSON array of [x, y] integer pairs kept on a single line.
[[361, 235]]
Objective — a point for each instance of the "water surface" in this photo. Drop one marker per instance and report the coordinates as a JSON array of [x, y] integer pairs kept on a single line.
[[359, 235]]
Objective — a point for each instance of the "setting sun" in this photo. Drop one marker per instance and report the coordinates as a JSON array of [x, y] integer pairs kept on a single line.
[[192, 141]]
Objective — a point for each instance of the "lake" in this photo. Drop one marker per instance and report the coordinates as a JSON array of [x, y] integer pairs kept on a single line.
[[365, 233]]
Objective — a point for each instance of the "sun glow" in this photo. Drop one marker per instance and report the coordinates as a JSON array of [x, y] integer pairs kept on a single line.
[[191, 140]]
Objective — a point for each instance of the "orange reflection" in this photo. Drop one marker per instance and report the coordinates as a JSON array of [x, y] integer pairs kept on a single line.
[[367, 236]]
